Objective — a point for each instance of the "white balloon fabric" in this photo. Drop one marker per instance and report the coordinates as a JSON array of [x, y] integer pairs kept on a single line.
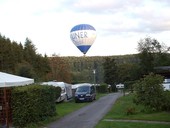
[[83, 36]]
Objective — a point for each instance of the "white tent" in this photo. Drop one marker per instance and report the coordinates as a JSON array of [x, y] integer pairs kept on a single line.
[[9, 80]]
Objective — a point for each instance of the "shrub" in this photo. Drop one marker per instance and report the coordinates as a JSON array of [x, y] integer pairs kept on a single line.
[[130, 111], [149, 91], [166, 101], [102, 88], [32, 103]]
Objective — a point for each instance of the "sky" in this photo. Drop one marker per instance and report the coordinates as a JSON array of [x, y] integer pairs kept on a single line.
[[120, 24]]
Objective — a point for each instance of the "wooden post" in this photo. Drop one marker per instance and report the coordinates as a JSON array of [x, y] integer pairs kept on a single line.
[[6, 108]]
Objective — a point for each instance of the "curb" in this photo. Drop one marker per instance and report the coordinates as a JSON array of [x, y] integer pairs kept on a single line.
[[142, 121]]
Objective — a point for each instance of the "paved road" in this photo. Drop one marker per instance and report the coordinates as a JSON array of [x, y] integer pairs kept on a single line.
[[88, 116]]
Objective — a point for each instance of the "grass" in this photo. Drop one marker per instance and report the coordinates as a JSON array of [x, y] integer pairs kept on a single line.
[[138, 112], [130, 125]]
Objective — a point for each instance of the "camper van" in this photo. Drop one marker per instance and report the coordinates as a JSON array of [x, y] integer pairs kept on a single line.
[[66, 90], [85, 92]]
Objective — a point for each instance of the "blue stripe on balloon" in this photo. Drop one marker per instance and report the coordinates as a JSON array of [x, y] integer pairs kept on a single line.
[[83, 27], [84, 48]]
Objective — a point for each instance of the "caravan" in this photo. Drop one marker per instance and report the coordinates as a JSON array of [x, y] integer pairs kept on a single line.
[[166, 85], [66, 90]]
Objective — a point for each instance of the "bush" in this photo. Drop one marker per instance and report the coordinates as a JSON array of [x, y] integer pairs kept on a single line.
[[130, 111], [166, 101], [32, 103], [149, 92], [102, 88]]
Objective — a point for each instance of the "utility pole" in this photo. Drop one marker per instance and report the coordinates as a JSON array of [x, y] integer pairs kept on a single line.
[[94, 72]]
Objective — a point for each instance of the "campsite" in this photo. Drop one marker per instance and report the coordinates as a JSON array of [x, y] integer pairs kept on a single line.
[[36, 87]]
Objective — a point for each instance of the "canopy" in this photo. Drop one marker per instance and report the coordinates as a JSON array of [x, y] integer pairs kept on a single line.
[[9, 80]]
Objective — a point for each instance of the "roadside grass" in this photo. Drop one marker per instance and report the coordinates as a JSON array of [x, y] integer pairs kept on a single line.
[[105, 124], [63, 109], [124, 108]]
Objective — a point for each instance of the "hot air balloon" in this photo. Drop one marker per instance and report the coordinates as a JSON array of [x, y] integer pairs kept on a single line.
[[83, 36]]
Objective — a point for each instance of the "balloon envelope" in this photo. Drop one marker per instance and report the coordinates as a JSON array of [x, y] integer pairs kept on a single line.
[[83, 36]]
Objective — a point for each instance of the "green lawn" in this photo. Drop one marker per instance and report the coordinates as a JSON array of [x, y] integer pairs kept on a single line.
[[130, 125], [125, 104]]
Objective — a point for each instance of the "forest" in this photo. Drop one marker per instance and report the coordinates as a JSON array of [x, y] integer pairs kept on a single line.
[[24, 60]]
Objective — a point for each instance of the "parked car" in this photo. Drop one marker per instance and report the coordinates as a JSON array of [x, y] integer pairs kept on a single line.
[[85, 92]]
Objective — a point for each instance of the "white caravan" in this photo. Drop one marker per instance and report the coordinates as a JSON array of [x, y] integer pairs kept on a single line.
[[166, 84], [66, 91]]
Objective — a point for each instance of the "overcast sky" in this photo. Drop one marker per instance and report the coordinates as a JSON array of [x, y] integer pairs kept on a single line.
[[120, 24]]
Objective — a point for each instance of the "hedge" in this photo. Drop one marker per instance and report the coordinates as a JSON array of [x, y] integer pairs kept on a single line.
[[102, 88], [33, 103]]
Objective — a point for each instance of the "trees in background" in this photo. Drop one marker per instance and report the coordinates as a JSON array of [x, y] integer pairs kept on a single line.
[[25, 61], [82, 69], [60, 69], [110, 71], [152, 54], [22, 60]]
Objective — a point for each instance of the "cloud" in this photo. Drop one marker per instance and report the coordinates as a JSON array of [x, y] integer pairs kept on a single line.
[[100, 6], [48, 23]]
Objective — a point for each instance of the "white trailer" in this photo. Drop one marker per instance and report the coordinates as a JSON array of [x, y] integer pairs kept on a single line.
[[166, 84], [66, 90], [120, 86]]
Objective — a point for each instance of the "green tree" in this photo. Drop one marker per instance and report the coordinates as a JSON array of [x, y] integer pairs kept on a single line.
[[151, 54], [110, 71], [25, 69], [60, 69], [40, 65], [127, 72], [29, 52], [145, 55], [149, 91]]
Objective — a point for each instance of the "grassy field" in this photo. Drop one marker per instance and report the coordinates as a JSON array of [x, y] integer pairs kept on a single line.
[[125, 109]]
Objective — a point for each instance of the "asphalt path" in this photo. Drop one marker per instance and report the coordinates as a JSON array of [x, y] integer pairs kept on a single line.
[[88, 116]]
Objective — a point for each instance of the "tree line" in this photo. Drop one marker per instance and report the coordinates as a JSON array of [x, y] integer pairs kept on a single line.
[[151, 54], [24, 60]]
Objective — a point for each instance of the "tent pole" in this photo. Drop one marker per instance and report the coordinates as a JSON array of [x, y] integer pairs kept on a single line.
[[6, 107]]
